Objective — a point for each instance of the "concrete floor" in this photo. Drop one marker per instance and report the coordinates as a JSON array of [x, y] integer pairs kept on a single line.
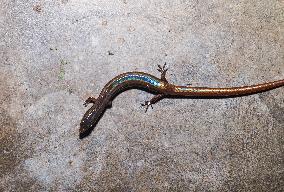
[[57, 53]]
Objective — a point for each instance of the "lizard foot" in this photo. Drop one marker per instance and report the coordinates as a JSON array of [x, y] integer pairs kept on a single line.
[[163, 71], [154, 100], [147, 104]]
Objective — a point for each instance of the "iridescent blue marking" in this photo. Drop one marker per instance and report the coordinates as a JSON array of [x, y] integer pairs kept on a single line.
[[136, 77]]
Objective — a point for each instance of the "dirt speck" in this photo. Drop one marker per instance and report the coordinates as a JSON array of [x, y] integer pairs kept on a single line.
[[120, 40], [37, 8], [104, 23], [64, 1], [110, 53], [131, 29]]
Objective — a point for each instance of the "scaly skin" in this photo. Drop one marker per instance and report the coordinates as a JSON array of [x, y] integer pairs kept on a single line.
[[162, 89]]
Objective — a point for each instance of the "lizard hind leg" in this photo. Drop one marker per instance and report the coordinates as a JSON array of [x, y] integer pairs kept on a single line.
[[89, 100], [163, 71], [154, 100]]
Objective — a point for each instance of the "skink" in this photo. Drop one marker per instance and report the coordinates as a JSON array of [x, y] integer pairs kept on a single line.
[[162, 88]]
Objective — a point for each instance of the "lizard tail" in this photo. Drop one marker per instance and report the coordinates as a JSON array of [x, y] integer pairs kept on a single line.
[[225, 92]]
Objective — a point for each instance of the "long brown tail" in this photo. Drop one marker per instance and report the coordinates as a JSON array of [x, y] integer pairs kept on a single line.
[[227, 92]]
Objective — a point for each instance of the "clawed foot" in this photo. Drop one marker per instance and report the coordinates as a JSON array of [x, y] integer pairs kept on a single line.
[[155, 99], [163, 71], [147, 104], [89, 100]]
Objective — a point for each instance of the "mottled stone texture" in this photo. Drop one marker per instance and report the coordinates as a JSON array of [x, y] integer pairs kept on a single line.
[[56, 53]]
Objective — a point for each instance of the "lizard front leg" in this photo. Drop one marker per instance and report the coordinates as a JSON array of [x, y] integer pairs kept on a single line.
[[163, 71], [158, 97], [89, 100]]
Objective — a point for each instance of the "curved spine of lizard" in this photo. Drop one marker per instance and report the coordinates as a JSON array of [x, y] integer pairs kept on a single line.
[[162, 89]]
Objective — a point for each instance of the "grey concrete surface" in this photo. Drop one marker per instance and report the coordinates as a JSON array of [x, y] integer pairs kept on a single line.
[[56, 53]]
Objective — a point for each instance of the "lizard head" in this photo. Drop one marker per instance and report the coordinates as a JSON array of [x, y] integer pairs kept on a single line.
[[93, 115]]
